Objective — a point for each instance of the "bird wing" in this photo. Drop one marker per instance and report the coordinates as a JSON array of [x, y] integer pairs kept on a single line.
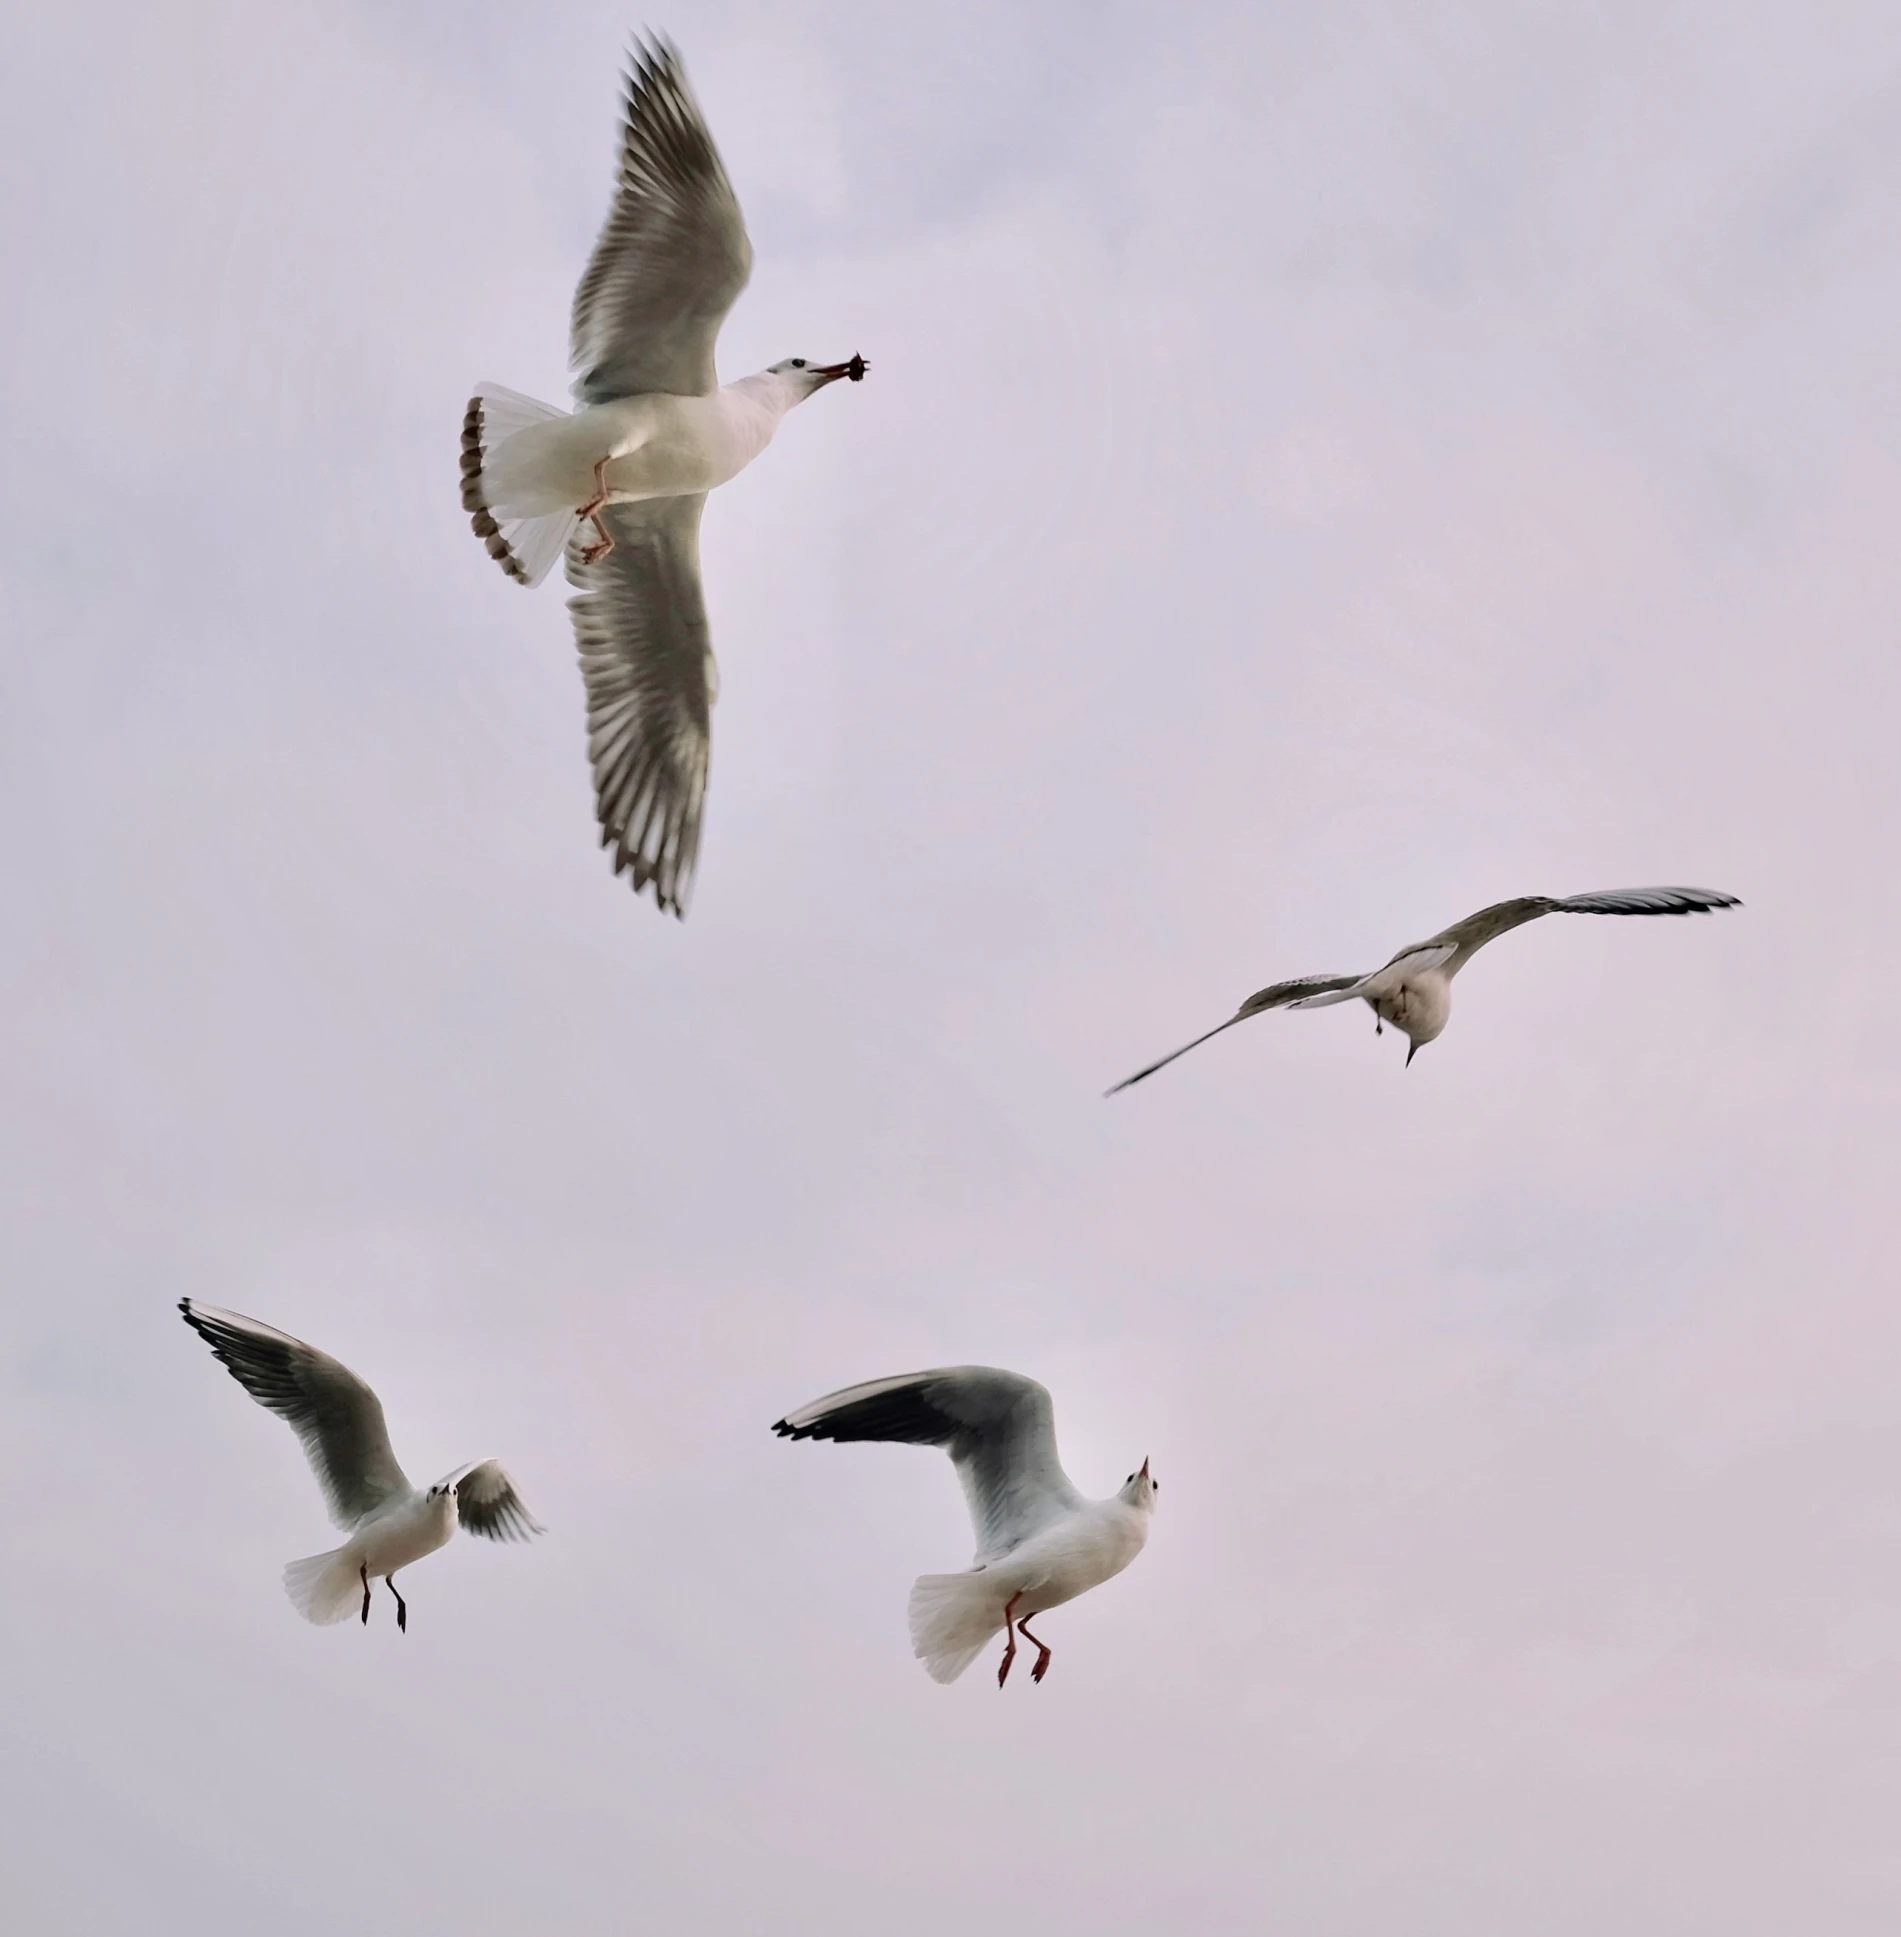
[[486, 1503], [338, 1418], [1277, 995], [1467, 937], [673, 254], [647, 660], [998, 1428]]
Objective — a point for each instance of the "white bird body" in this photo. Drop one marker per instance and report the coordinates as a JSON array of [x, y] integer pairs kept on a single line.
[[401, 1533], [391, 1524], [1092, 1545], [1414, 994], [1039, 1542], [652, 446]]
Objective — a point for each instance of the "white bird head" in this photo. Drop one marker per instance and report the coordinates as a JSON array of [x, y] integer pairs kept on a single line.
[[804, 377], [1138, 1490]]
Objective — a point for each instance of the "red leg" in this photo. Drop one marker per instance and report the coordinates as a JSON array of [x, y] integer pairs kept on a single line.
[[1010, 1649], [592, 554], [364, 1571], [1042, 1667], [402, 1606]]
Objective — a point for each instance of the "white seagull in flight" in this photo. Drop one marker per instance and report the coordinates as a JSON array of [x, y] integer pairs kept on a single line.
[[340, 1421], [1414, 990], [1039, 1542], [653, 434]]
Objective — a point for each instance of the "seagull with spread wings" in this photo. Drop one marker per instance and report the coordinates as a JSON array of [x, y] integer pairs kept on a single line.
[[653, 434], [1039, 1542], [340, 1421], [1414, 990]]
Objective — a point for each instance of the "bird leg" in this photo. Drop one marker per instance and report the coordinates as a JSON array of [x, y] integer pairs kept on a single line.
[[402, 1606], [1010, 1649], [1042, 1650], [363, 1569], [593, 554]]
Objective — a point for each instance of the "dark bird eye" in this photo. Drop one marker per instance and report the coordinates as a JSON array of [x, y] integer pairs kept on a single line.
[[798, 363]]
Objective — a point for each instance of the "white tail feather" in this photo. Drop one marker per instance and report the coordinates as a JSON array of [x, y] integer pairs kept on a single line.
[[525, 548], [506, 411], [324, 1588], [952, 1616]]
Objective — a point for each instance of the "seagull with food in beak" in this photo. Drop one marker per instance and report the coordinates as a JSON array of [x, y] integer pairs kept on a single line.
[[618, 485]]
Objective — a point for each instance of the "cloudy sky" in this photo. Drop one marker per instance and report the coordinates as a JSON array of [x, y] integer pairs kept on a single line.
[[1324, 470]]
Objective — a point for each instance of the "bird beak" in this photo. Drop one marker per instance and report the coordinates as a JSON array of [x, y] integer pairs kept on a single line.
[[1411, 1052], [1145, 1468], [831, 372]]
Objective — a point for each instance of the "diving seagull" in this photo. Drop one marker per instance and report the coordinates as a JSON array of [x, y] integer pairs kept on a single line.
[[1039, 1542], [340, 1421], [653, 433], [1414, 990]]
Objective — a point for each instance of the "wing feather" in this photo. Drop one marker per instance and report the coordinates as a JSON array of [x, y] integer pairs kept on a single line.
[[336, 1416], [999, 1429], [1646, 901], [673, 254], [647, 662], [1277, 995], [486, 1503], [1467, 937]]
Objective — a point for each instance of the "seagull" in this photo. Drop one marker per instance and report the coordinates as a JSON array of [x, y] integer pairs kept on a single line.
[[340, 1421], [1039, 1542], [653, 434], [1414, 990]]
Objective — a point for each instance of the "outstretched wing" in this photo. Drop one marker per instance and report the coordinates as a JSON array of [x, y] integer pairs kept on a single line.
[[486, 1503], [647, 660], [338, 1418], [673, 255], [1467, 937], [998, 1428], [1277, 995]]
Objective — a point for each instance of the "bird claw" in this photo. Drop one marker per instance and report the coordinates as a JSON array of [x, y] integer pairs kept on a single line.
[[593, 554]]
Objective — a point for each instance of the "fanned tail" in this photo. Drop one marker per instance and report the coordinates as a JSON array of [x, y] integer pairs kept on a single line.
[[525, 548], [325, 1588], [952, 1616]]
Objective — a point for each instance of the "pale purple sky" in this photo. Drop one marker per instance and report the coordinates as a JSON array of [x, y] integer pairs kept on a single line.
[[1323, 470]]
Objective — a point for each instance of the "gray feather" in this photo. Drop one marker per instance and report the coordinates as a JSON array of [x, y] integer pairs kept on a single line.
[[998, 1427]]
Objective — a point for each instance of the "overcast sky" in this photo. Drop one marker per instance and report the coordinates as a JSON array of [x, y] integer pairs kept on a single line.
[[1324, 469]]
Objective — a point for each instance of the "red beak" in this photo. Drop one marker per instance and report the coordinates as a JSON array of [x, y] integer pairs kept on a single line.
[[855, 370], [1145, 1467]]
